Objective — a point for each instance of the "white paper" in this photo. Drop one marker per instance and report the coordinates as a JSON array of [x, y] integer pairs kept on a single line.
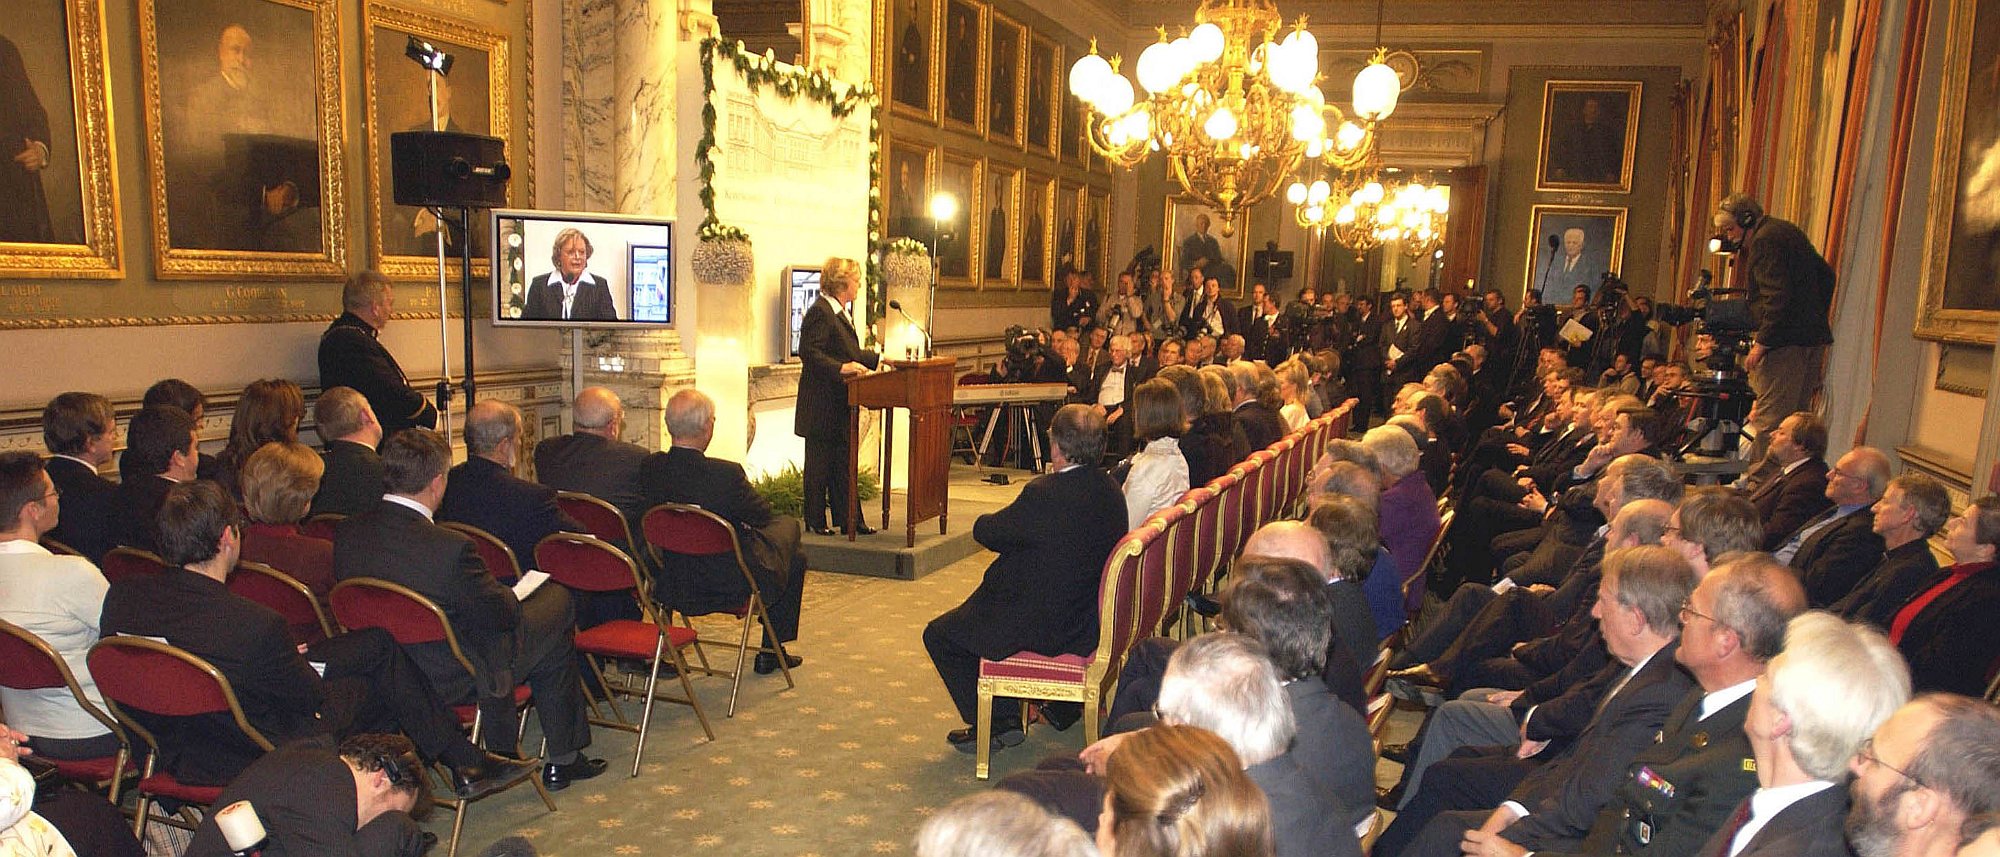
[[529, 582], [318, 668], [1574, 332], [1505, 584], [1395, 353]]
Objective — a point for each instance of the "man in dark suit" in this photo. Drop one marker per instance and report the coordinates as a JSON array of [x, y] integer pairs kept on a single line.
[[1433, 339], [353, 481], [1399, 346], [1918, 780], [369, 684], [829, 353], [1914, 508], [1040, 594], [80, 431], [350, 356], [1637, 609], [570, 292], [505, 638], [1261, 423], [183, 395], [1809, 717], [159, 452], [1793, 485], [593, 459], [684, 473], [1362, 359], [1836, 549], [485, 493], [316, 798]]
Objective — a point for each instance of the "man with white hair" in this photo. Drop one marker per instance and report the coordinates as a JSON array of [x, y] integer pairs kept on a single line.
[[594, 459], [352, 482], [1839, 546], [683, 473], [485, 493], [1812, 712], [1928, 771]]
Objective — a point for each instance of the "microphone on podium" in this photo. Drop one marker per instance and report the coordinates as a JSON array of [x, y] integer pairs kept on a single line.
[[898, 307]]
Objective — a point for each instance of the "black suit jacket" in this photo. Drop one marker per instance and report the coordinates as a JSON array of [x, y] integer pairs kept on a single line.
[[1261, 425], [1432, 341], [592, 303], [304, 793], [826, 342], [1404, 340], [350, 356], [486, 495], [88, 508], [354, 481], [1787, 501], [1835, 559], [1948, 645], [137, 507], [395, 543], [1813, 827], [1040, 594], [1902, 572], [248, 642], [595, 465], [698, 585], [1364, 348]]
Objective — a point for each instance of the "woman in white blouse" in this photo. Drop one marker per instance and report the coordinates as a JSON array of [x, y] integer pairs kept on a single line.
[[22, 832], [1294, 385], [1159, 473]]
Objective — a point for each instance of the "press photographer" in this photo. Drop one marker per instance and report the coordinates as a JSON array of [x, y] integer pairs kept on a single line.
[[1790, 290]]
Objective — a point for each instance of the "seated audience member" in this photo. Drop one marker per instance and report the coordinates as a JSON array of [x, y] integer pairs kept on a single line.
[[1341, 557], [54, 822], [1812, 712], [1180, 791], [56, 598], [368, 684], [353, 481], [1925, 775], [268, 411], [1213, 442], [508, 641], [278, 480], [1251, 402], [1408, 510], [1942, 631], [159, 453], [1678, 791], [1294, 388], [1839, 546], [81, 433], [485, 493], [594, 460], [1348, 523], [1792, 487], [1913, 508], [1040, 594], [177, 393], [1642, 592], [1159, 473], [316, 798], [1000, 824], [685, 474]]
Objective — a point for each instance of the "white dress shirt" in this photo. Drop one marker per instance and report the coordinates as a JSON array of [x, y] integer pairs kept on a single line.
[[59, 599], [1765, 803]]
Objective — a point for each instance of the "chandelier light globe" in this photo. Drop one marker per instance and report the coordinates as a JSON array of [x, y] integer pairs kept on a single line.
[[1308, 125], [1114, 95], [944, 206], [1158, 68], [1207, 42], [1319, 192], [1295, 62], [1345, 215], [1369, 194], [1085, 75], [1315, 212], [1296, 194], [1221, 124], [1349, 136], [1376, 88]]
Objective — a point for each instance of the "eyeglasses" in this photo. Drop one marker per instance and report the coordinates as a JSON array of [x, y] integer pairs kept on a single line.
[[1687, 609], [1835, 471], [1867, 754], [1671, 531]]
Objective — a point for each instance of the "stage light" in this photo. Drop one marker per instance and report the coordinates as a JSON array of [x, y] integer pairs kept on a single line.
[[431, 57], [944, 207]]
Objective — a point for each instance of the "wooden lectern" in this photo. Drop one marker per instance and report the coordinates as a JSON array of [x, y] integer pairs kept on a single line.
[[924, 388]]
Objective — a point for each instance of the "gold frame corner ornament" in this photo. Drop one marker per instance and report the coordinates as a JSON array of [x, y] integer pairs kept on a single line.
[[101, 256], [1935, 321]]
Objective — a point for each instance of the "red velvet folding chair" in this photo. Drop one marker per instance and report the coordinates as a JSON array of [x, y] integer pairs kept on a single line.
[[598, 517], [320, 526], [499, 558], [590, 564], [674, 530], [137, 674], [412, 619], [286, 595], [58, 548], [28, 663], [126, 562]]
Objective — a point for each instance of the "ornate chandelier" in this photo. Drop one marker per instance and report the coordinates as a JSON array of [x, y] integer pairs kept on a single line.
[[1416, 215], [1235, 109]]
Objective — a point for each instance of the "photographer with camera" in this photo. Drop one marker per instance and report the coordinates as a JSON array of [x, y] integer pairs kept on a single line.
[[1790, 289]]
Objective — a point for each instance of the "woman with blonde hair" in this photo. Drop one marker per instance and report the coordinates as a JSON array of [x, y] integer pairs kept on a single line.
[[1294, 387], [268, 411], [1180, 791], [279, 481], [829, 352]]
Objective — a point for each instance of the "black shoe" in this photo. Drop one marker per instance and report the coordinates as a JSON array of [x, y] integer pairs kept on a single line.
[[767, 663], [1398, 753], [821, 531], [1388, 798], [865, 530], [558, 777], [963, 739], [426, 842], [1062, 717], [490, 775]]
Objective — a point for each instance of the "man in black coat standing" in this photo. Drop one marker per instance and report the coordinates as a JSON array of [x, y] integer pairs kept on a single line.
[[1040, 594], [80, 430], [684, 473], [351, 356], [352, 482], [1791, 297], [1362, 361], [830, 352]]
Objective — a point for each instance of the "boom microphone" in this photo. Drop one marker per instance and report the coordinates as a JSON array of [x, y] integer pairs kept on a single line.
[[898, 307]]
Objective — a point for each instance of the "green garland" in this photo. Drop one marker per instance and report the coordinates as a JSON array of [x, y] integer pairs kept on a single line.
[[790, 82]]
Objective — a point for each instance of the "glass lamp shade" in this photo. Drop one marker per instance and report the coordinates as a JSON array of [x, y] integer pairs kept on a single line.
[[1085, 74], [1207, 42], [1221, 124], [1345, 215], [1307, 124], [1295, 194], [1348, 136], [1114, 94], [1315, 212], [1295, 62], [1376, 88], [1319, 191], [1157, 69], [944, 206]]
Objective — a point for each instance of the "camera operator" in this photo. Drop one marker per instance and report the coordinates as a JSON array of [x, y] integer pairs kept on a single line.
[[1791, 293], [1124, 312]]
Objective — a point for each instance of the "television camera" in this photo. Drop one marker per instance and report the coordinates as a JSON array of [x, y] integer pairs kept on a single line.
[[1718, 392]]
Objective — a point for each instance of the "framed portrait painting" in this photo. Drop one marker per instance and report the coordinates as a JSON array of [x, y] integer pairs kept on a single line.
[[57, 170], [910, 38], [906, 190], [245, 136], [472, 99], [1006, 65], [963, 53], [1573, 245], [1960, 299], [1590, 129], [958, 237], [1038, 218], [1069, 229], [1070, 129], [1038, 110], [1000, 210], [1194, 238], [1097, 235]]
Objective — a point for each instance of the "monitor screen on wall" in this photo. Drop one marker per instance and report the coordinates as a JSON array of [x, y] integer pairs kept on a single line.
[[801, 289], [575, 269]]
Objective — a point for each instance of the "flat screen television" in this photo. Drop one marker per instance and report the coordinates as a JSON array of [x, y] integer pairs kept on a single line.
[[575, 269], [801, 289]]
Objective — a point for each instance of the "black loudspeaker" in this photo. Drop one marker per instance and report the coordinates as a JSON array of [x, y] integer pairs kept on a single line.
[[447, 168]]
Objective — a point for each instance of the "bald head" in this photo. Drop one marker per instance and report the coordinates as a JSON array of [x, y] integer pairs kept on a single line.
[[1293, 540], [691, 419], [491, 428], [1640, 522], [597, 411]]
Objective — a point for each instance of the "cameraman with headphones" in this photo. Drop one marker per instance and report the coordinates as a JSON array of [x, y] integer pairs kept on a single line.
[[1790, 289]]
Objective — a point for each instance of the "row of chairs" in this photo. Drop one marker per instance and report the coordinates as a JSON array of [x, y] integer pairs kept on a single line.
[[1178, 550]]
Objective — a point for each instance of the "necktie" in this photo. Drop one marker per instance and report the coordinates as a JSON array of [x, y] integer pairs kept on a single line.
[[1735, 826]]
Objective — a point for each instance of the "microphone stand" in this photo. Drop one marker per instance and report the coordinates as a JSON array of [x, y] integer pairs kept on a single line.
[[1544, 289]]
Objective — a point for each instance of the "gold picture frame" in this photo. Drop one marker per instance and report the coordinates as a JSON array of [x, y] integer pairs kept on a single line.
[[908, 32], [1602, 226], [1959, 299], [1576, 150], [77, 236], [958, 241], [1068, 246], [1097, 235], [1038, 229], [999, 231], [909, 171], [1042, 93], [1178, 238], [397, 96], [961, 55], [206, 121], [1006, 79]]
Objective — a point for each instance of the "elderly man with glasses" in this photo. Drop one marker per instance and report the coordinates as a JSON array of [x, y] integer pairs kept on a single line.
[[1931, 767]]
